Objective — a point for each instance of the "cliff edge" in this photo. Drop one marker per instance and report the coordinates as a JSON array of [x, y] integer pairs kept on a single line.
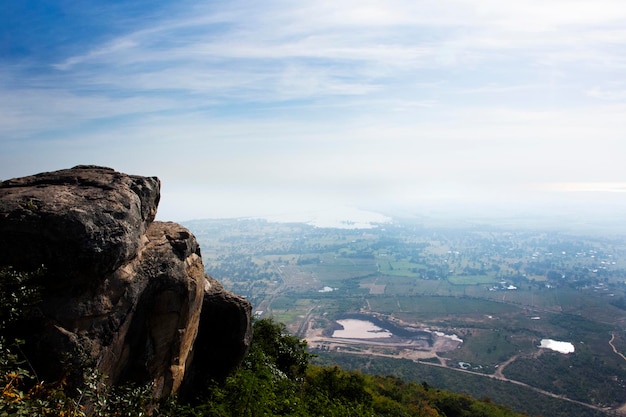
[[121, 292]]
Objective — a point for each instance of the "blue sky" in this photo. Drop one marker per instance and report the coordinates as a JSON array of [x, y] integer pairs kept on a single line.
[[256, 108]]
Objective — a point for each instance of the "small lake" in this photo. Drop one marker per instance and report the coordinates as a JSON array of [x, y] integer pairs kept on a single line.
[[360, 329], [363, 327], [562, 347]]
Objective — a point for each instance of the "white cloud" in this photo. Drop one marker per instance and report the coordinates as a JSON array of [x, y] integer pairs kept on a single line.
[[361, 99]]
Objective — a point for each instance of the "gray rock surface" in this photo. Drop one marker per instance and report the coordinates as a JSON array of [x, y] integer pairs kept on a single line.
[[87, 221], [121, 292]]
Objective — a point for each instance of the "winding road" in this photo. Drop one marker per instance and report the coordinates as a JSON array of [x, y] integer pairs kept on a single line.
[[622, 409], [614, 348], [499, 376]]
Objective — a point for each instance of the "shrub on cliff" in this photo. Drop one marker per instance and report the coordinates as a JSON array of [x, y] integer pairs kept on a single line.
[[24, 394], [278, 380]]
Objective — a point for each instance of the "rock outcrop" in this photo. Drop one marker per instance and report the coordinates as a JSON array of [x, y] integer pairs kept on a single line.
[[120, 292]]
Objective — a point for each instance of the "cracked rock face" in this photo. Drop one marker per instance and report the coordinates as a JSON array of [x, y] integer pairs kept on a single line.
[[121, 292]]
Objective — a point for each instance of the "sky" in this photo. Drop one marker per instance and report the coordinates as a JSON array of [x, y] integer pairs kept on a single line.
[[259, 108]]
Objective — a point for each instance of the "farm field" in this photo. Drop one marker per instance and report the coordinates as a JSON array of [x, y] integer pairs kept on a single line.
[[474, 301]]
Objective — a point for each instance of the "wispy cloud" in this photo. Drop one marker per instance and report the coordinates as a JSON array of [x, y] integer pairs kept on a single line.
[[351, 48], [412, 96]]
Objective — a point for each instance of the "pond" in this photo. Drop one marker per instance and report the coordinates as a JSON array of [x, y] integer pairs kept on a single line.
[[360, 329], [562, 347]]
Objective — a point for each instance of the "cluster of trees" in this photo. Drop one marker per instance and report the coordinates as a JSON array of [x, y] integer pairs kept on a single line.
[[276, 379], [239, 268]]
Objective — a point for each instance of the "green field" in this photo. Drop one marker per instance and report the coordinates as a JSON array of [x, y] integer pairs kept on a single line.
[[472, 279], [500, 291]]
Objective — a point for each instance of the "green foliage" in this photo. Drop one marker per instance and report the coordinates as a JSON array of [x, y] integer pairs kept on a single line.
[[102, 400], [272, 346], [23, 394], [18, 293], [276, 379], [522, 399]]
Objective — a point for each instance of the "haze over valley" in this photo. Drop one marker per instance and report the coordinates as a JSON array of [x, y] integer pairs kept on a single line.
[[532, 312], [434, 190], [247, 109]]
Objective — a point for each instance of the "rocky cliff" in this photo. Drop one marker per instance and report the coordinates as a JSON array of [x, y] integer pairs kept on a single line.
[[121, 292]]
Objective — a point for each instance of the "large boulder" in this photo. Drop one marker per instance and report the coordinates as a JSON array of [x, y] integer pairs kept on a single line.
[[86, 221], [121, 292]]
